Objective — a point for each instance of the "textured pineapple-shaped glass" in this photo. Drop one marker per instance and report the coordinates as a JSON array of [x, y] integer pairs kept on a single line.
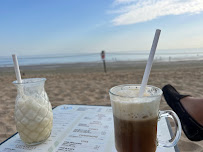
[[33, 111]]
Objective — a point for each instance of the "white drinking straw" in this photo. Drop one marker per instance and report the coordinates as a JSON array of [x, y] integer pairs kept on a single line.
[[149, 63], [16, 67]]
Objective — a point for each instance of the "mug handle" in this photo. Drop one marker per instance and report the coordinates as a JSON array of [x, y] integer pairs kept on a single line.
[[174, 140]]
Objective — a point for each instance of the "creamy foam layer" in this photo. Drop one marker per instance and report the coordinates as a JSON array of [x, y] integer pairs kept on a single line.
[[134, 108]]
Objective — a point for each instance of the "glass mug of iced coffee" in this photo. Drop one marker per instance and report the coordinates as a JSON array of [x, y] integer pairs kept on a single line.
[[135, 119]]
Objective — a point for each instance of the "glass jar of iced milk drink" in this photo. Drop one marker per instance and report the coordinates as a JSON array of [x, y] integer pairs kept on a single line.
[[33, 111], [135, 119]]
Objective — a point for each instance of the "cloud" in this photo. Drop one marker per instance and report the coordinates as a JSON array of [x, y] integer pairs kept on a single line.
[[135, 11]]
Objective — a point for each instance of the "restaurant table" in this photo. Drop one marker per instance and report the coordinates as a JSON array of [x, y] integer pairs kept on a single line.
[[81, 128]]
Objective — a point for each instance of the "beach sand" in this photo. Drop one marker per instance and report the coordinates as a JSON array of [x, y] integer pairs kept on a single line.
[[86, 83]]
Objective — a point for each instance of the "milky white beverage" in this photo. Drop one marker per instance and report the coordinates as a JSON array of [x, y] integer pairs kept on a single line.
[[33, 111], [135, 118]]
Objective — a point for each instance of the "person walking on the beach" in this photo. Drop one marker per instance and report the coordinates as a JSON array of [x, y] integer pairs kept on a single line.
[[189, 109]]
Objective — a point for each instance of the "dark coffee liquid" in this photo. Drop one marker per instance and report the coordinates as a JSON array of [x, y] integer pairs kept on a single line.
[[135, 136]]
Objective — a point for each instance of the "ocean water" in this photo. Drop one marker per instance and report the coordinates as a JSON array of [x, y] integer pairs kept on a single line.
[[160, 56]]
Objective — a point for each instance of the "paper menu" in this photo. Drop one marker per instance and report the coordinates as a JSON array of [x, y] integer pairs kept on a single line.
[[79, 128], [91, 133]]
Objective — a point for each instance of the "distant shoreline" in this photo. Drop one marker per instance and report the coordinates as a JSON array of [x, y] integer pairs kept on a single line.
[[127, 56], [98, 66], [107, 61]]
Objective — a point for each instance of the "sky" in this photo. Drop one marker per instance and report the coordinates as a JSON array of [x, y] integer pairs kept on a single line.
[[34, 27]]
